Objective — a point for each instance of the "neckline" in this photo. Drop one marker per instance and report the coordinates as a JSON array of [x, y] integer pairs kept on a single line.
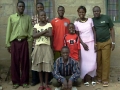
[[83, 21]]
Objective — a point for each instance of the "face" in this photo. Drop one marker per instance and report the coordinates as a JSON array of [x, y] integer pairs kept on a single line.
[[42, 16], [71, 28], [96, 12], [40, 7], [65, 53], [81, 13], [20, 8], [61, 11]]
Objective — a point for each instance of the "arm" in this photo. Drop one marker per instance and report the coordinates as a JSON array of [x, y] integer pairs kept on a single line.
[[112, 32], [30, 30], [38, 34], [76, 72], [49, 33], [83, 44], [94, 33], [8, 34], [56, 73]]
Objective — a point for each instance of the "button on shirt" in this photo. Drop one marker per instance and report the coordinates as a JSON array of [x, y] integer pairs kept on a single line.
[[19, 26], [70, 69]]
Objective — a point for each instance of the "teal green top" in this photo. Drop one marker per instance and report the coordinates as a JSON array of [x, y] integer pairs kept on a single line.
[[18, 27], [102, 26]]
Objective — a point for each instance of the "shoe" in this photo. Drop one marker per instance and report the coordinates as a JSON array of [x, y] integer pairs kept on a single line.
[[58, 88], [15, 86], [74, 88], [93, 83], [86, 84], [105, 84]]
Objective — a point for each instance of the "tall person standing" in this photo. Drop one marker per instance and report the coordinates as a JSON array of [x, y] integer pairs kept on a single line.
[[85, 29], [19, 32], [59, 30], [105, 43]]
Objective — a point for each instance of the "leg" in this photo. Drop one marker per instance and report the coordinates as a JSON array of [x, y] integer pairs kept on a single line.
[[35, 76], [78, 82], [55, 83], [41, 81], [24, 64], [15, 62], [86, 80], [106, 62], [56, 54], [99, 65], [46, 81]]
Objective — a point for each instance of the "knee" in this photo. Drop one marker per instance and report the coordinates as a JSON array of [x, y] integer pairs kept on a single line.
[[55, 83]]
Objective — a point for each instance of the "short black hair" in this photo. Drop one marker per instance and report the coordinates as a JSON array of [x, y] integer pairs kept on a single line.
[[61, 7], [82, 7], [20, 2], [65, 47], [39, 3], [70, 24], [97, 7], [40, 12]]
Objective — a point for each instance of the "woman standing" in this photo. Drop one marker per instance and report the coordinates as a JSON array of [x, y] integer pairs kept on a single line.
[[85, 29]]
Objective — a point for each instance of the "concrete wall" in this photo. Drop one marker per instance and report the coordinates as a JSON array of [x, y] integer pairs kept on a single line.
[[8, 7]]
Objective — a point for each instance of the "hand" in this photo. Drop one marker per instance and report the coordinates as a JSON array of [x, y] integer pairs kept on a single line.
[[64, 85], [85, 46], [113, 47], [69, 84], [9, 49]]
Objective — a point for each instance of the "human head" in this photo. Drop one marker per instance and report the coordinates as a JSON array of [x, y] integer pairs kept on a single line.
[[61, 11], [39, 6], [81, 11], [42, 16], [96, 11], [65, 53], [71, 28], [20, 7]]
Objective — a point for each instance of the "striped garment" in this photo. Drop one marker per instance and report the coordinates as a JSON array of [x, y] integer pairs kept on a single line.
[[61, 70]]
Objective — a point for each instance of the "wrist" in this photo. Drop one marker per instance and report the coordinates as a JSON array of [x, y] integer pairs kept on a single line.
[[113, 43]]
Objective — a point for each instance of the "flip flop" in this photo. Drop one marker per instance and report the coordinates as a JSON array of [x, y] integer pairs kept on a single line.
[[86, 84], [105, 84]]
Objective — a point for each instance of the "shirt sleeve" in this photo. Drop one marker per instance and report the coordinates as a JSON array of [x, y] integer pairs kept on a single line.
[[76, 28], [30, 30], [49, 25], [110, 23], [56, 73], [8, 33], [76, 72]]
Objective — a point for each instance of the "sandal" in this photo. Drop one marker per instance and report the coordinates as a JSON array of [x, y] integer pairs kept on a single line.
[[15, 86], [41, 88], [86, 84], [99, 81], [93, 83], [105, 84], [25, 86]]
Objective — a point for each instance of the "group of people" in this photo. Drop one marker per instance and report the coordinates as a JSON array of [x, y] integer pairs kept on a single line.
[[70, 51]]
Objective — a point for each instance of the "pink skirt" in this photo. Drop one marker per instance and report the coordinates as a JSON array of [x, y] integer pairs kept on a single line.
[[88, 63]]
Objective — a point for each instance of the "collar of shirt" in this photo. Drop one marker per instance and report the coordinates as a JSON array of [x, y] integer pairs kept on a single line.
[[19, 14], [68, 62]]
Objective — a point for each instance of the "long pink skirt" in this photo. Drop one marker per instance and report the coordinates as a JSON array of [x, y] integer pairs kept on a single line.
[[88, 60]]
